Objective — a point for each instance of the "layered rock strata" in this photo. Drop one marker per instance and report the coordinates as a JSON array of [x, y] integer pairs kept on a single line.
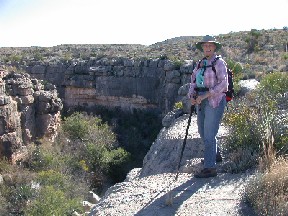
[[115, 82]]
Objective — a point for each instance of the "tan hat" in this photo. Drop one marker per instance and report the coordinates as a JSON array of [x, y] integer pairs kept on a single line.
[[209, 39]]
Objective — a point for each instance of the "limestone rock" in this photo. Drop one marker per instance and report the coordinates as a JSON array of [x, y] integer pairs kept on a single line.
[[247, 85], [163, 156], [27, 112]]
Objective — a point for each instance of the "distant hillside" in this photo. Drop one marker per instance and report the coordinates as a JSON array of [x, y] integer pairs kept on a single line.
[[257, 50]]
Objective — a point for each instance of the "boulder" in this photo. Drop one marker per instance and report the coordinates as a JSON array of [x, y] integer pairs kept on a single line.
[[247, 85]]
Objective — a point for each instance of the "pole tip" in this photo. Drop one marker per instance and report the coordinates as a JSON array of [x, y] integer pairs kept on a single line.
[[169, 199]]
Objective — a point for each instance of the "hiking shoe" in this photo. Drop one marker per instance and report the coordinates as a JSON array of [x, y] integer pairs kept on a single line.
[[219, 158], [206, 173]]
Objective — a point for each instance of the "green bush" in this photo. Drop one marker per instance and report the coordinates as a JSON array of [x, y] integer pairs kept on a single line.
[[99, 150], [40, 159], [68, 168], [111, 162], [114, 162], [275, 83], [89, 128], [52, 177], [55, 193], [176, 62], [285, 56], [16, 190], [135, 130], [255, 122], [76, 126], [244, 130], [52, 201], [248, 118]]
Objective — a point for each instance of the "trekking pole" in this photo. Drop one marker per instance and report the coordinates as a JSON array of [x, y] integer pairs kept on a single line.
[[169, 199], [184, 141]]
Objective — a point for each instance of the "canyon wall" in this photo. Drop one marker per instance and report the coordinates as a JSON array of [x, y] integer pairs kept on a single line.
[[115, 82]]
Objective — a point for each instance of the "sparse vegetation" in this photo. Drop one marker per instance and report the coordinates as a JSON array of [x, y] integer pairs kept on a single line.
[[254, 47], [93, 152], [259, 139], [267, 192], [178, 105]]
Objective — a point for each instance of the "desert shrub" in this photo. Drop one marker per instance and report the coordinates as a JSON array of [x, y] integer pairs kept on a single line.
[[4, 165], [114, 163], [55, 192], [45, 156], [275, 83], [111, 162], [52, 201], [48, 175], [13, 58], [240, 159], [285, 56], [268, 192], [39, 159], [72, 187], [176, 62], [16, 190], [98, 150], [76, 126], [88, 128], [242, 121], [271, 94], [256, 123], [54, 178]]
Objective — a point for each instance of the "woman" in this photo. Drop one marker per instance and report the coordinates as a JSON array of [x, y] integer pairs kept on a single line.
[[207, 92]]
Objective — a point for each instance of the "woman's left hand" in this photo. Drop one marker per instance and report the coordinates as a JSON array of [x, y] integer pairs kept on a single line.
[[200, 98]]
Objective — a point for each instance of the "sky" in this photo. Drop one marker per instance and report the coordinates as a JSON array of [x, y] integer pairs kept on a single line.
[[46, 23]]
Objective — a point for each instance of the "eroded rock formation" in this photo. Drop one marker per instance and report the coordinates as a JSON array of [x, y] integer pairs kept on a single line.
[[28, 111]]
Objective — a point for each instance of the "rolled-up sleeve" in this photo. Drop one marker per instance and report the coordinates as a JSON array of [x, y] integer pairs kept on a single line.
[[192, 85]]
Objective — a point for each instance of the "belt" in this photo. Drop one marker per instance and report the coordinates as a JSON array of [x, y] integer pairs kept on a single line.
[[201, 89]]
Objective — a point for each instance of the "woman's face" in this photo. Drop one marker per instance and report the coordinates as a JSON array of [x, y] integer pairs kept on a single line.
[[209, 49]]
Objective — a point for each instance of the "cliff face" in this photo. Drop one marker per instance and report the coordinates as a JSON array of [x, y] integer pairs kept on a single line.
[[115, 82], [27, 112]]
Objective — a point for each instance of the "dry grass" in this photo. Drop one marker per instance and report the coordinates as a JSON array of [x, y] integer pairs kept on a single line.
[[268, 192]]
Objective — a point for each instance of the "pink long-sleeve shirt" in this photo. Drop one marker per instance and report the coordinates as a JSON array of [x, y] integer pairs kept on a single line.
[[217, 83]]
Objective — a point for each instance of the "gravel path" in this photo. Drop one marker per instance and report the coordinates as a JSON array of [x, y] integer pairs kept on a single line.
[[147, 190]]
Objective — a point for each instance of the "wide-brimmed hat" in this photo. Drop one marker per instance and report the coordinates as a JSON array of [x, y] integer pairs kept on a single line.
[[209, 39]]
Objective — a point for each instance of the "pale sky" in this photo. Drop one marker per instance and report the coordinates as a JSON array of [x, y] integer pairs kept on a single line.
[[54, 22]]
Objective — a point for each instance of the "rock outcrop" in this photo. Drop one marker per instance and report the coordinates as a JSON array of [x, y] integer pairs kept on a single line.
[[115, 82], [28, 111]]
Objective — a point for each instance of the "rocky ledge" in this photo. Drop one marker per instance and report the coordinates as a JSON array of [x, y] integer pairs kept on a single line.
[[152, 189]]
